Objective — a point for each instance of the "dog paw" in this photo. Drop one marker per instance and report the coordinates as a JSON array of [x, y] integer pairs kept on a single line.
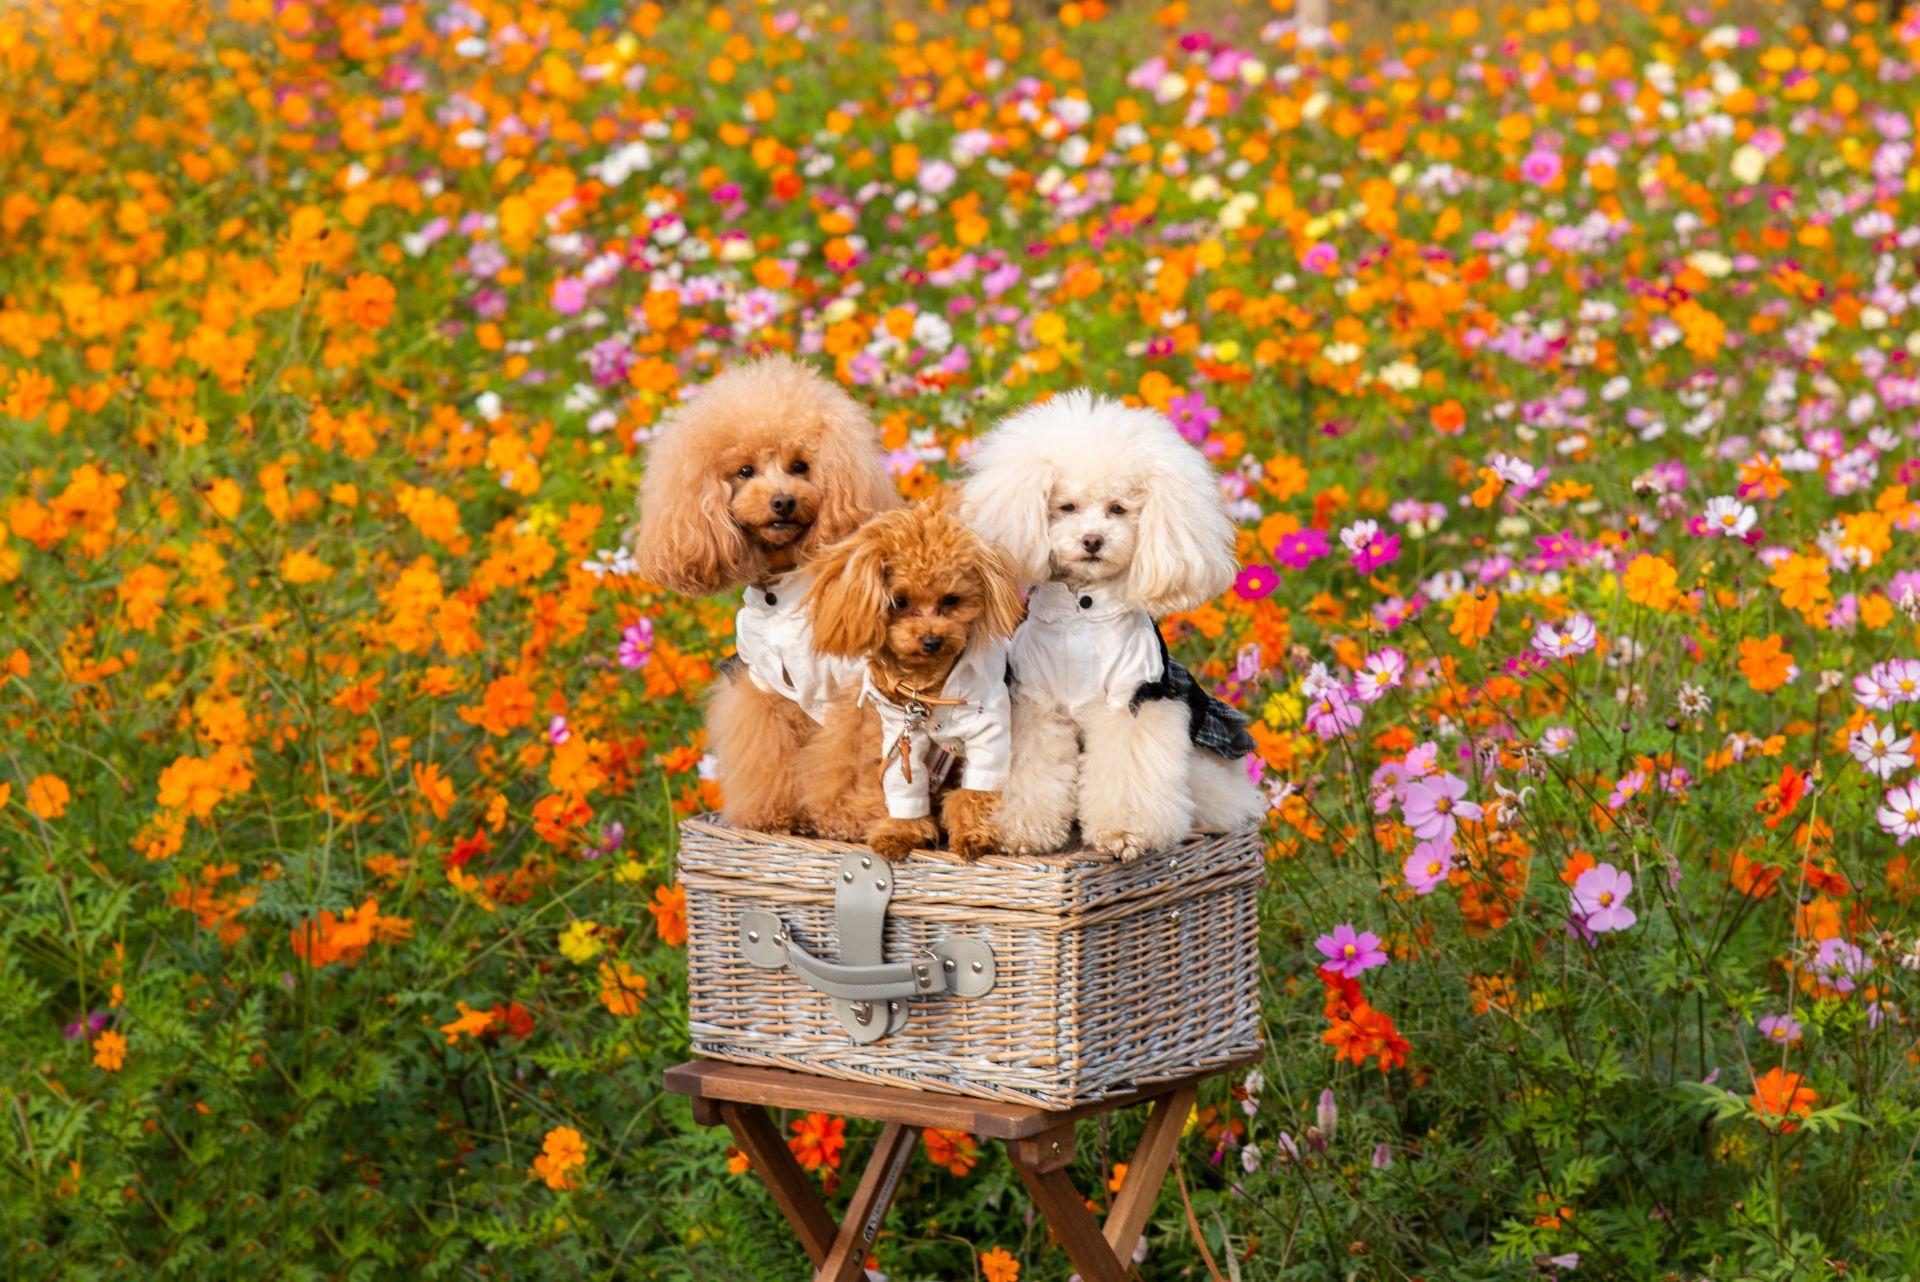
[[1124, 846], [895, 839], [1032, 838], [971, 845]]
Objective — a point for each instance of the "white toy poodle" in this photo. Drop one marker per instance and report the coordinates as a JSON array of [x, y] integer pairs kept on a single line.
[[1116, 520]]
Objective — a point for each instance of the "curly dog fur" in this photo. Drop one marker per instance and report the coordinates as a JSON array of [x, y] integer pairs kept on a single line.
[[1097, 495], [908, 592], [754, 475]]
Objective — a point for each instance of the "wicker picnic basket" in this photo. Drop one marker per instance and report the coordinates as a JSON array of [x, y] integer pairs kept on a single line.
[[1054, 980]]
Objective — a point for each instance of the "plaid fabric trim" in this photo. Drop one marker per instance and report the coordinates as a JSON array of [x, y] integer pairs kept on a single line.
[[1212, 722]]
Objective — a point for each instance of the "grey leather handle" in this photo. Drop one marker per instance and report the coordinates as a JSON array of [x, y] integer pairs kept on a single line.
[[886, 982], [868, 994]]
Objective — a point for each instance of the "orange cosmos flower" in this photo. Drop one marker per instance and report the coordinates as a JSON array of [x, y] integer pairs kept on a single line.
[[110, 1051], [47, 796], [669, 909], [366, 303], [998, 1266], [563, 1154], [1779, 1096], [818, 1141], [621, 988], [1765, 663], [954, 1151], [1650, 581]]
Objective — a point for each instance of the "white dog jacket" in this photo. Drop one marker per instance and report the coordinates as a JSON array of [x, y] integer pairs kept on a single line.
[[1082, 648], [1078, 650], [775, 643], [976, 726]]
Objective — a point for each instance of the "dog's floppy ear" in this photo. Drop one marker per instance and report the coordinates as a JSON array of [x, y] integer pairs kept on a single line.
[[685, 537], [1004, 608], [848, 602], [1185, 553], [849, 468], [1004, 500]]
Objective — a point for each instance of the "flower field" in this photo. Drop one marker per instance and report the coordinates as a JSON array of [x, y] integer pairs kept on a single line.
[[1561, 364]]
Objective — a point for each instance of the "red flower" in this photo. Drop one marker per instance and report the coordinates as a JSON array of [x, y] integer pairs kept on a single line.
[[818, 1141]]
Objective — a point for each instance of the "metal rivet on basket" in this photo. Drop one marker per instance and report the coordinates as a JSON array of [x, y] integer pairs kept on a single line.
[[947, 965], [893, 1005], [753, 937], [877, 885], [847, 877], [1174, 916], [1173, 863], [978, 967], [1056, 1146], [865, 862]]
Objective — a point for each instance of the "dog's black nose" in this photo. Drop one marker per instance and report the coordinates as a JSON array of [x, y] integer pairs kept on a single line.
[[932, 644], [782, 505], [1092, 542]]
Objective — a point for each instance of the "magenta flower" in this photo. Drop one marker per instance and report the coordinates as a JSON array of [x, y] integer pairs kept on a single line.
[[636, 645], [1600, 899], [1375, 552], [1333, 714], [1540, 168], [1784, 1029], [1322, 258], [1349, 953], [557, 731], [1193, 416], [1433, 806], [1427, 867], [1255, 582], [1300, 549], [569, 295]]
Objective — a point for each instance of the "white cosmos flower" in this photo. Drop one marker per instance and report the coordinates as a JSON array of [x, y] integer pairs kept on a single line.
[[1878, 752], [1900, 813], [1730, 517], [1574, 636]]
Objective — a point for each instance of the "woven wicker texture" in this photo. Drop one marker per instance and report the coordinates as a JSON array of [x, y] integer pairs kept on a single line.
[[1110, 976]]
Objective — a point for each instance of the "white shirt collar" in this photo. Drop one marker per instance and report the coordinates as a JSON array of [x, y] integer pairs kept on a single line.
[[1059, 603]]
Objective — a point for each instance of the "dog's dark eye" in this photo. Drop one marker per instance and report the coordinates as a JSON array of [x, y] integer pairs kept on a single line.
[[745, 473], [950, 600], [899, 603], [1117, 509], [798, 467], [1068, 507]]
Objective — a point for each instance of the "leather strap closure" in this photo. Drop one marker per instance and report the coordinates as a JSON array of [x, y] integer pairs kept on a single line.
[[869, 995]]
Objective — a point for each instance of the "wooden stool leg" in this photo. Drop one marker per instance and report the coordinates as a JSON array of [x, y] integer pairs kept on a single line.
[[1147, 1169], [769, 1157], [1065, 1212], [846, 1260]]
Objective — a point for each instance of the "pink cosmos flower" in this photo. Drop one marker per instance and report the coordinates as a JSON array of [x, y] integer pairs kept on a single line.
[[1300, 549], [1427, 867], [1382, 671], [1600, 899], [1838, 961], [557, 731], [1540, 168], [1193, 416], [1433, 806], [1255, 582], [1349, 953], [569, 295], [1321, 258], [1572, 637], [1784, 1029], [1333, 714], [1378, 550], [636, 645]]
